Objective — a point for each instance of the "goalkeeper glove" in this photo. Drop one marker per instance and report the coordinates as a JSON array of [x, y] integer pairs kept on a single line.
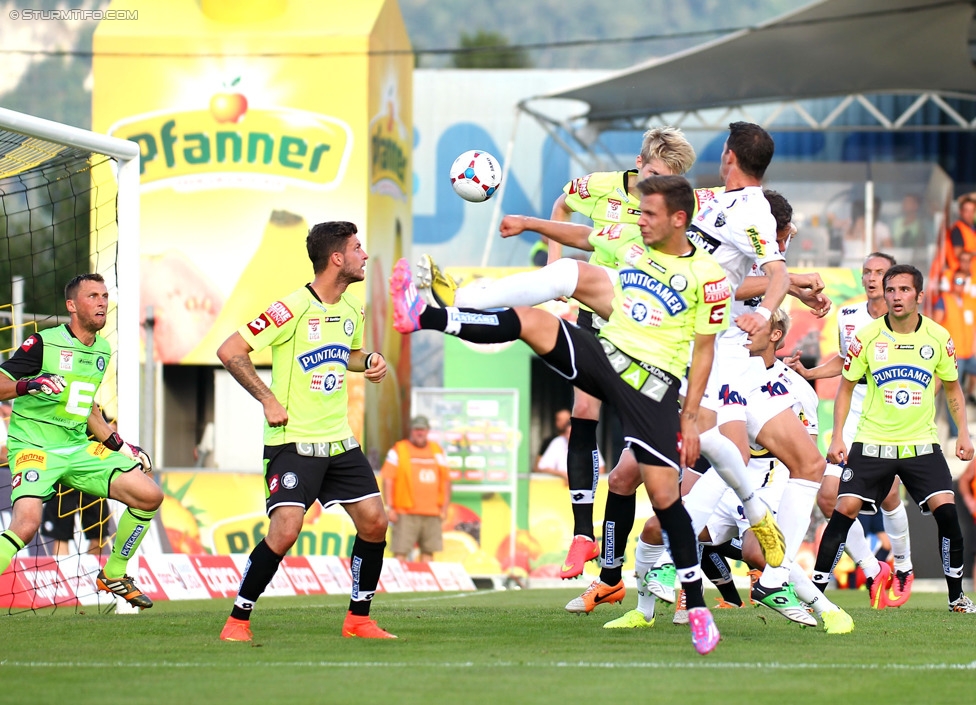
[[42, 384], [115, 442]]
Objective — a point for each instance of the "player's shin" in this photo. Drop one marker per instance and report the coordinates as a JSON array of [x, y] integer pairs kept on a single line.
[[717, 569], [808, 592], [583, 470], [524, 289], [618, 520], [366, 564], [831, 548], [473, 325], [10, 543], [896, 527], [727, 461], [676, 524], [261, 567], [133, 526], [645, 557], [950, 547]]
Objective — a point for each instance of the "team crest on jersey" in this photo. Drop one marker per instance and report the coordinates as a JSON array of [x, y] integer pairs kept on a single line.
[[328, 382], [678, 282], [720, 220], [613, 209], [926, 352], [847, 475], [314, 330], [348, 327], [279, 313], [67, 357], [289, 480], [100, 363], [881, 351]]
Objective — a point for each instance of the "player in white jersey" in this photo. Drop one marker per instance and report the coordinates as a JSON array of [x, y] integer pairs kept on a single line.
[[850, 319], [715, 510]]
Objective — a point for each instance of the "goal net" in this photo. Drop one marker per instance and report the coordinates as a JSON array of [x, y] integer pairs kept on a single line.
[[68, 205]]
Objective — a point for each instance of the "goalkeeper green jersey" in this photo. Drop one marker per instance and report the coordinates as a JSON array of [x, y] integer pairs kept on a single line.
[[55, 421], [900, 368], [662, 301], [310, 345]]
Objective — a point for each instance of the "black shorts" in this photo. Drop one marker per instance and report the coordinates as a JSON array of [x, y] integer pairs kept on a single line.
[[590, 321], [869, 476], [298, 479], [58, 518], [649, 415]]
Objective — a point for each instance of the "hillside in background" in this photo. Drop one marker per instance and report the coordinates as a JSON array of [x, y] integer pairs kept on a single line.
[[58, 87]]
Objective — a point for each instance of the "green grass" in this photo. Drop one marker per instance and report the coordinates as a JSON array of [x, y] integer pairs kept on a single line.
[[506, 647]]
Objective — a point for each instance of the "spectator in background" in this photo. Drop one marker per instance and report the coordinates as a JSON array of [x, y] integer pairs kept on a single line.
[[561, 421], [417, 489], [956, 312], [965, 269], [853, 247], [962, 235], [554, 459], [907, 230]]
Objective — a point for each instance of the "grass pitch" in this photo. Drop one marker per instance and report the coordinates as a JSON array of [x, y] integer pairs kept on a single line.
[[498, 647]]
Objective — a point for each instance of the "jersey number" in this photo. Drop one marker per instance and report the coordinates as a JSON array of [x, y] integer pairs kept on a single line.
[[80, 398]]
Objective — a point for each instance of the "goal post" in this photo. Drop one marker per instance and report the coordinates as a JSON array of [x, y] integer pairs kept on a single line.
[[125, 277], [69, 204]]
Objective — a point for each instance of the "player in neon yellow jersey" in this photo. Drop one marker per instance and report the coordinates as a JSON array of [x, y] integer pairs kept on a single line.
[[310, 454], [900, 354], [668, 294]]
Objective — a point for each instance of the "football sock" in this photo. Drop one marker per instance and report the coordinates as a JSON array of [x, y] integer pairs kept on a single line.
[[133, 526], [831, 548], [645, 557], [523, 289], [473, 325], [260, 568], [10, 543], [618, 520], [950, 547], [676, 524], [730, 549], [808, 592], [717, 570], [793, 517], [727, 461], [583, 470], [366, 564], [896, 526], [859, 549]]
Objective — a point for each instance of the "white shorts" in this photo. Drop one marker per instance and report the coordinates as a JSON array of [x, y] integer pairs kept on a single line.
[[728, 519], [767, 398], [854, 415], [733, 374]]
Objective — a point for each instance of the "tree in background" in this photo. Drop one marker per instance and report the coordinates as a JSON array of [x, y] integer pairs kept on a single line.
[[489, 50]]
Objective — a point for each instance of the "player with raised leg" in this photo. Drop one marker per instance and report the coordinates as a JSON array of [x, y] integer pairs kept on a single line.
[[668, 294], [53, 378]]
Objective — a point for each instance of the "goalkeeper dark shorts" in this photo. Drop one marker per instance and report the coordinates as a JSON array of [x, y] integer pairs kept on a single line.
[[297, 475], [871, 470], [645, 396]]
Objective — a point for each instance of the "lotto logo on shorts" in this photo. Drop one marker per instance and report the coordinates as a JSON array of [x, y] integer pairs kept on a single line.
[[717, 291], [273, 484], [15, 481], [279, 313]]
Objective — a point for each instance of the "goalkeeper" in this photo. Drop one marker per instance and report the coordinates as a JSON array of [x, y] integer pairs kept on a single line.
[[53, 378]]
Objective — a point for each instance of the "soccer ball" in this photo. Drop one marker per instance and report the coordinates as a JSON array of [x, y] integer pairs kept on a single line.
[[475, 176]]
